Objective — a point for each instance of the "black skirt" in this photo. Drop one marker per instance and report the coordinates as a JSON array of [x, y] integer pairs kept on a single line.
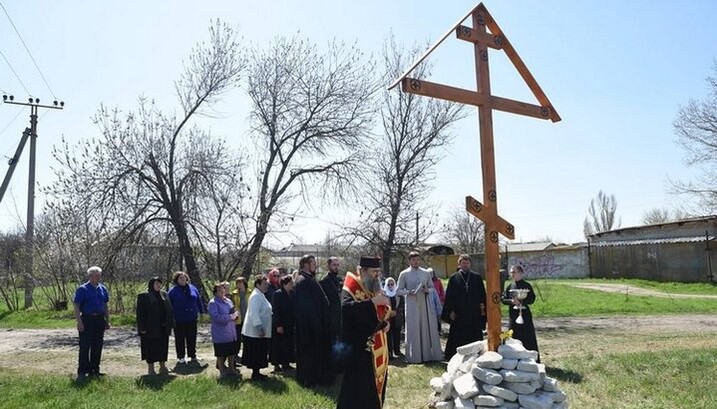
[[154, 349], [256, 350], [225, 349]]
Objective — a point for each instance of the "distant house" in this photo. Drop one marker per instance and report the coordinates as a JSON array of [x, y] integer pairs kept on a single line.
[[677, 251], [547, 260]]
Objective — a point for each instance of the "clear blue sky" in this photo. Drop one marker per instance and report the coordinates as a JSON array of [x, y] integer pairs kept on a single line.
[[617, 72]]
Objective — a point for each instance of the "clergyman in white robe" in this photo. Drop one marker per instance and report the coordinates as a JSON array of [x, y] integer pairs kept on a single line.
[[423, 343]]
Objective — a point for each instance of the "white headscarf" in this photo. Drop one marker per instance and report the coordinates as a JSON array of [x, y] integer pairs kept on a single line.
[[390, 292]]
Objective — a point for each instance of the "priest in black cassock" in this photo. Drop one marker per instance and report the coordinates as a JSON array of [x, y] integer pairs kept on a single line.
[[313, 339], [524, 332], [464, 308], [365, 313]]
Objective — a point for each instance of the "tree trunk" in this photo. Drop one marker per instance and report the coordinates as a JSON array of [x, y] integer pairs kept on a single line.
[[251, 255], [185, 249]]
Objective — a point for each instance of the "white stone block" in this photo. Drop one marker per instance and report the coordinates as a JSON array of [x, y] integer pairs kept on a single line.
[[445, 404], [550, 384], [560, 405], [447, 386], [490, 359], [437, 384], [467, 365], [557, 397], [541, 371], [502, 393], [513, 351], [528, 365], [454, 364], [509, 363], [518, 376], [459, 403], [466, 386], [487, 400], [514, 341], [533, 355], [521, 388], [474, 348], [536, 401], [488, 376]]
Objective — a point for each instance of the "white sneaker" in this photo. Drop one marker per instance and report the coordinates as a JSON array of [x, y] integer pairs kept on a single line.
[[182, 361]]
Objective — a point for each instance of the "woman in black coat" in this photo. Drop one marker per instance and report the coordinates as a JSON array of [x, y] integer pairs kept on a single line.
[[282, 337], [154, 324]]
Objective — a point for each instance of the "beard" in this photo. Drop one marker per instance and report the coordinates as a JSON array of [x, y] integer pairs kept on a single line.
[[371, 284]]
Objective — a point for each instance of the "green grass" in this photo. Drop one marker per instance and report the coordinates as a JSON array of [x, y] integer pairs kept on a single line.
[[677, 378], [666, 287], [33, 391], [560, 299]]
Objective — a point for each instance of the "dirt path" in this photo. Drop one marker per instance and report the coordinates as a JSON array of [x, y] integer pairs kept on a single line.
[[55, 350], [632, 290]]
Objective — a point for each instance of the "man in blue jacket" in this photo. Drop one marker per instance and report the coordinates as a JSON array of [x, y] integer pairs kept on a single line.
[[93, 317]]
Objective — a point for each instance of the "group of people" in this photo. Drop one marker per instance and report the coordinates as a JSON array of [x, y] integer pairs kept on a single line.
[[321, 325]]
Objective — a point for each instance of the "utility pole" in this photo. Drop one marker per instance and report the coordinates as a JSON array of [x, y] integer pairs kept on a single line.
[[34, 104]]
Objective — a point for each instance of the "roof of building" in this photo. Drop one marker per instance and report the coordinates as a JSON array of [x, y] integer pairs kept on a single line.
[[679, 229], [635, 242], [536, 246]]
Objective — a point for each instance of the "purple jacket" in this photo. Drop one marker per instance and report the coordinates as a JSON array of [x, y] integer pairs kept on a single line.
[[223, 329]]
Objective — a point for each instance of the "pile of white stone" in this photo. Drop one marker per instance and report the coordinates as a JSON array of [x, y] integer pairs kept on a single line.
[[509, 378]]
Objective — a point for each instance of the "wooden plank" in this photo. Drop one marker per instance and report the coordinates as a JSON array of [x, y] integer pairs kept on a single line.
[[448, 93], [519, 64], [487, 215], [433, 47], [520, 108], [474, 36]]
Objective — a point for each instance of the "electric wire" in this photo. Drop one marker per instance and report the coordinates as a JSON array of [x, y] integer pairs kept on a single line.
[[13, 71], [19, 111], [28, 51]]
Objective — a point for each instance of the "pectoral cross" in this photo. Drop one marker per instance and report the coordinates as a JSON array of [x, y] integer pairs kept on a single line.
[[482, 98]]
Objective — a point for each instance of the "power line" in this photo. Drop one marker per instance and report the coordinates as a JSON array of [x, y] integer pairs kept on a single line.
[[13, 71], [28, 50], [12, 121]]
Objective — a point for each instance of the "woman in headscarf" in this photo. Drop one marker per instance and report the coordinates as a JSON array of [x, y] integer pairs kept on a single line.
[[224, 335], [154, 324], [394, 332], [256, 330], [282, 337]]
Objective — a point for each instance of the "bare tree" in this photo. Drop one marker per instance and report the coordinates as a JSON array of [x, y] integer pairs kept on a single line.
[[663, 215], [311, 112], [601, 214], [415, 133], [464, 232], [149, 167], [696, 129]]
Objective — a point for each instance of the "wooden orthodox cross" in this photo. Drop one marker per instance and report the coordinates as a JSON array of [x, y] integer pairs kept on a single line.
[[487, 211]]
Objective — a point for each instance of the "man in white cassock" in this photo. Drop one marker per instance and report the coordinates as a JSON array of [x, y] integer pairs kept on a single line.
[[423, 342]]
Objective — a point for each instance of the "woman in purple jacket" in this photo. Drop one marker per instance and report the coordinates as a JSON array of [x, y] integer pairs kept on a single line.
[[224, 334], [186, 307]]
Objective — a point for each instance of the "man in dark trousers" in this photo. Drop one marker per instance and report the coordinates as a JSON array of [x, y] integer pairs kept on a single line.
[[93, 317], [465, 307], [313, 342], [365, 312], [331, 284]]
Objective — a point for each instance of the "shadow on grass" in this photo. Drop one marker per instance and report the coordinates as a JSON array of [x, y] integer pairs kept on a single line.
[[189, 369], [5, 314], [154, 382], [564, 375], [401, 363], [233, 382]]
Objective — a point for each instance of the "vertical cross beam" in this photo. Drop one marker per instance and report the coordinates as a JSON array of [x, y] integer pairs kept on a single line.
[[487, 211]]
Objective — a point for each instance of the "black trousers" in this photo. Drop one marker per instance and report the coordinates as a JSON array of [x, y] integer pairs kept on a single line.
[[91, 340], [394, 337], [185, 334]]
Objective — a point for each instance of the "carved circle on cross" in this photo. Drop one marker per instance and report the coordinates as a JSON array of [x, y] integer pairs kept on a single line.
[[481, 19], [466, 31], [495, 297], [492, 195], [415, 85], [484, 55], [477, 207], [544, 111], [494, 236], [498, 40], [510, 229]]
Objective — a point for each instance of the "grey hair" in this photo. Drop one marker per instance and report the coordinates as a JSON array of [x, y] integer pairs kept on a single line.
[[94, 269]]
